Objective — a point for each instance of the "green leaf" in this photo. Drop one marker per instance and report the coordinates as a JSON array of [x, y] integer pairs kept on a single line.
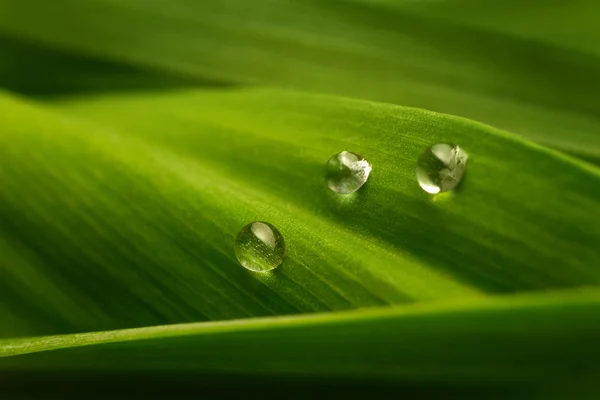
[[71, 73], [524, 77], [567, 24], [122, 190], [547, 339], [121, 211]]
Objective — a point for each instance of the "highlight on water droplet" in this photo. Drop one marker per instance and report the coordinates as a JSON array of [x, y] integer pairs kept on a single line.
[[259, 247], [346, 172], [441, 167]]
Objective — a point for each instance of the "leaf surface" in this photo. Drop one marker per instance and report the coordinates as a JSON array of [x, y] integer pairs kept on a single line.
[[121, 211]]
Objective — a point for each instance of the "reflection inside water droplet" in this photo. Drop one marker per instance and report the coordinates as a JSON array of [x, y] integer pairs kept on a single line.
[[346, 172], [441, 167], [260, 247]]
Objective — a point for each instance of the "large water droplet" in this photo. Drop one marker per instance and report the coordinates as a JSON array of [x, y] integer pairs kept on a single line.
[[259, 247], [346, 172], [441, 167]]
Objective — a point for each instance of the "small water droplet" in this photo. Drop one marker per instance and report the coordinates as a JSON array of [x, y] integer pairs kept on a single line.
[[259, 247], [346, 172], [441, 167]]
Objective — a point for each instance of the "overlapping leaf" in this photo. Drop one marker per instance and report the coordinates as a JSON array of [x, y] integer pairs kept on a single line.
[[403, 54], [495, 343]]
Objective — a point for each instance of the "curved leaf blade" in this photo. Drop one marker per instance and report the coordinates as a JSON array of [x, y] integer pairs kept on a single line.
[[542, 91], [141, 196], [495, 340]]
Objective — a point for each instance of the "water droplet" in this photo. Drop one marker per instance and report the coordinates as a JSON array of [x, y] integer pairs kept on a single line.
[[259, 247], [346, 172], [441, 167]]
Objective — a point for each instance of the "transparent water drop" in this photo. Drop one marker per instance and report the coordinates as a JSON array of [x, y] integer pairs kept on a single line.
[[346, 172], [441, 167], [259, 247]]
